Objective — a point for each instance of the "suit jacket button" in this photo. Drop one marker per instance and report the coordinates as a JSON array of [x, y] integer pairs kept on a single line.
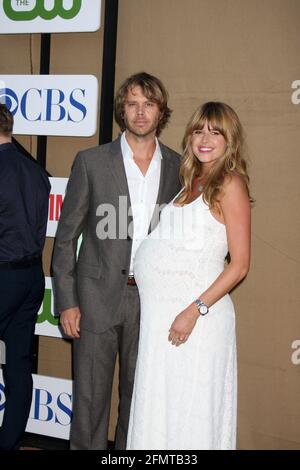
[[123, 271]]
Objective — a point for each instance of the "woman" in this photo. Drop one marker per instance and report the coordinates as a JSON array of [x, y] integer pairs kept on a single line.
[[185, 383]]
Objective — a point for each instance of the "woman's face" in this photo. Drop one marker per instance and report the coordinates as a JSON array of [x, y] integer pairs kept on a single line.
[[208, 145]]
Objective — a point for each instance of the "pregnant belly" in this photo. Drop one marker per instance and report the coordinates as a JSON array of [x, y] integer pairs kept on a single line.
[[167, 272], [157, 259]]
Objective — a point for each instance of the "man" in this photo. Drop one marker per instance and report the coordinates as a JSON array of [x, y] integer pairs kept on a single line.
[[110, 199], [24, 196]]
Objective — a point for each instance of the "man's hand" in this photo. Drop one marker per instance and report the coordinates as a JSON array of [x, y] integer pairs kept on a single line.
[[70, 321], [183, 325]]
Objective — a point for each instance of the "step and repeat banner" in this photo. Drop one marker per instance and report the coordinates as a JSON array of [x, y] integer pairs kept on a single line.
[[57, 194], [48, 316], [51, 105], [44, 16], [51, 406], [63, 105]]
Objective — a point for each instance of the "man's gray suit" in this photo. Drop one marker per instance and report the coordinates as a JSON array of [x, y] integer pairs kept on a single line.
[[97, 283]]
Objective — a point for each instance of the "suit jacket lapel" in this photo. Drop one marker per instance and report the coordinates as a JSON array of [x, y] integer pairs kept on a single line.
[[162, 178], [117, 168], [116, 165], [167, 171], [161, 197]]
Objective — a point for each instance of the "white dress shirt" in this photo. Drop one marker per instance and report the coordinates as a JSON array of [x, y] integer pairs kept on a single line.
[[143, 192]]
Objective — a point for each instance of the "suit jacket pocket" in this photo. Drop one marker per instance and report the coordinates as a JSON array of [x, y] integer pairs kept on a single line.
[[89, 270]]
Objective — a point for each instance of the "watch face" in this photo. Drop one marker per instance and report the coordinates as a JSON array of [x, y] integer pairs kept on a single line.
[[203, 310]]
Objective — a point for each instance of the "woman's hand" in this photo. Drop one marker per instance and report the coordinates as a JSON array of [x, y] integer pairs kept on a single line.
[[183, 325]]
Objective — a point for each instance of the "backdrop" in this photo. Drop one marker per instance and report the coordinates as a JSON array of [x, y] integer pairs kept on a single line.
[[244, 53]]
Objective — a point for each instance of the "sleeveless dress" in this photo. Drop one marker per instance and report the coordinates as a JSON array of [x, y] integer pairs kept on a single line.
[[184, 397]]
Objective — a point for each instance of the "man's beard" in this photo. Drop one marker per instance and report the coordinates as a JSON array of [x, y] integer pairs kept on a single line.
[[144, 132]]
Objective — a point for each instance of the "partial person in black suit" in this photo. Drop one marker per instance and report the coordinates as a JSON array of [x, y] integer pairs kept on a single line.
[[24, 196]]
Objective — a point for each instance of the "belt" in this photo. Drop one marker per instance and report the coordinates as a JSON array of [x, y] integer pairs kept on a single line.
[[24, 263], [131, 281]]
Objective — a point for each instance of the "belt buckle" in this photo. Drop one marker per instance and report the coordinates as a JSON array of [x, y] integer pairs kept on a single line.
[[131, 280]]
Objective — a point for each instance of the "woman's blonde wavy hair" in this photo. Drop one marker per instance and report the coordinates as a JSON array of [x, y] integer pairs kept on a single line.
[[223, 118]]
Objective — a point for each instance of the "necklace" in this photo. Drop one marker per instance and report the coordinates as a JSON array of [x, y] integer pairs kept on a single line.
[[201, 185]]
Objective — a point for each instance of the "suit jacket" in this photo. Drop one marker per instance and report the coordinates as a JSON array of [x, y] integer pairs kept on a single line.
[[96, 280]]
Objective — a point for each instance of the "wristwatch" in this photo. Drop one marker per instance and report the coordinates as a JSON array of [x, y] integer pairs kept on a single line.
[[202, 308]]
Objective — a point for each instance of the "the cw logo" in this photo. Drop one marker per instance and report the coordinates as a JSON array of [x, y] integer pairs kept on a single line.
[[40, 11], [45, 313]]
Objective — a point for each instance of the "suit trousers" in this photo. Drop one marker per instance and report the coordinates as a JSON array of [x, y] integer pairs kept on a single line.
[[21, 294], [94, 365]]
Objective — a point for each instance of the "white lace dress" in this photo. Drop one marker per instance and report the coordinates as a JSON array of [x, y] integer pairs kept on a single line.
[[184, 397]]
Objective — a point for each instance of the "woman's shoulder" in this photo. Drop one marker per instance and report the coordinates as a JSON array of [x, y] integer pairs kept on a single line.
[[233, 182], [234, 186]]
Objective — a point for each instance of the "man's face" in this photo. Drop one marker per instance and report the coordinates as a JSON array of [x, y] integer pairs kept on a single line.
[[141, 116]]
